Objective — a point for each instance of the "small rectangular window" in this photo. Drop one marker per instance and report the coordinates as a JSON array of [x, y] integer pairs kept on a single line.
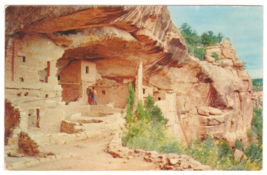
[[103, 92], [58, 77], [144, 91], [24, 59], [87, 69], [159, 98]]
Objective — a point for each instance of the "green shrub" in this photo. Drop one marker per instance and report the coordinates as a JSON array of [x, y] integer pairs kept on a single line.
[[257, 123], [151, 137], [199, 53], [192, 40], [141, 113], [225, 150], [250, 133], [216, 56], [206, 152], [220, 37], [257, 84], [130, 103], [153, 113], [238, 145], [245, 165], [260, 102], [208, 39], [191, 37], [253, 151]]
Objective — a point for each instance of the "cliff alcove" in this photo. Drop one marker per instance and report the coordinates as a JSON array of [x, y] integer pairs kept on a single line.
[[54, 53]]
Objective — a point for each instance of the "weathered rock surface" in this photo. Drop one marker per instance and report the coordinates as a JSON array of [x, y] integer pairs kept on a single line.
[[163, 161], [209, 59], [113, 37]]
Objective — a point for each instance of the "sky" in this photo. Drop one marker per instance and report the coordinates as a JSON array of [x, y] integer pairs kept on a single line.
[[242, 24]]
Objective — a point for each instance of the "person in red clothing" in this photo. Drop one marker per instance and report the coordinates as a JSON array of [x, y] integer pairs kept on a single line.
[[90, 97], [94, 96]]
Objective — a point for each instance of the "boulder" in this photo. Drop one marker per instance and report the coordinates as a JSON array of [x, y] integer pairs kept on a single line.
[[209, 59], [214, 111], [215, 120], [228, 51], [203, 111], [238, 63], [173, 161], [226, 63]]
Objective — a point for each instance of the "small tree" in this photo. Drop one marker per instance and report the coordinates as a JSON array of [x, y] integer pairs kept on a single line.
[[225, 150], [216, 56], [199, 53], [220, 37], [238, 144], [155, 112], [141, 113], [130, 103]]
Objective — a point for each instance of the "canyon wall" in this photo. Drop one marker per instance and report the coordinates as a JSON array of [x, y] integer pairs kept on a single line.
[[198, 97]]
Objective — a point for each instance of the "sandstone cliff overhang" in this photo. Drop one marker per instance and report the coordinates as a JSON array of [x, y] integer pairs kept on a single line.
[[114, 36], [116, 39]]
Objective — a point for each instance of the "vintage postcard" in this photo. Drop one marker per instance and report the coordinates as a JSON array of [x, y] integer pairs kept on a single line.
[[119, 87]]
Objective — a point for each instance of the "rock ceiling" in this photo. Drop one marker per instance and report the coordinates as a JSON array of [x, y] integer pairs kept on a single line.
[[115, 38]]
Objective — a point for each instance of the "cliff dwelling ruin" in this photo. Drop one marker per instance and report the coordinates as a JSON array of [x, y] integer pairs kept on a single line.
[[54, 53]]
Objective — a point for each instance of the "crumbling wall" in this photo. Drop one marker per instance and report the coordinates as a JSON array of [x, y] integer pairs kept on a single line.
[[70, 127], [26, 57], [27, 145], [70, 92], [12, 119]]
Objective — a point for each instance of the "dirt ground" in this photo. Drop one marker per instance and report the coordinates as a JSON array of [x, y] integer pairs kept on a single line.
[[91, 155]]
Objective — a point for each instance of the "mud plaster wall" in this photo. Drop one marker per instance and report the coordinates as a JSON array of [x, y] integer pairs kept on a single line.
[[146, 91], [70, 92], [20, 66], [75, 80], [72, 73], [88, 78], [159, 94], [90, 75], [25, 57], [31, 94], [117, 94]]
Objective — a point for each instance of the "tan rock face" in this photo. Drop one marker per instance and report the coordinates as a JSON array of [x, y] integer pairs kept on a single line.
[[116, 40], [203, 111], [209, 59], [214, 111], [228, 52]]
